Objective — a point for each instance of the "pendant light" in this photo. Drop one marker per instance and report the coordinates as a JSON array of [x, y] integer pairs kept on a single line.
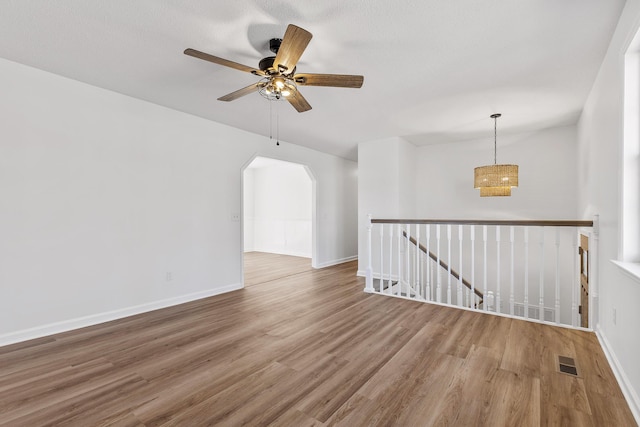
[[495, 180]]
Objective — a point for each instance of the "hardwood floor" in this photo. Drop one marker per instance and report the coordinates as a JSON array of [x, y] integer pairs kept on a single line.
[[261, 267], [309, 348]]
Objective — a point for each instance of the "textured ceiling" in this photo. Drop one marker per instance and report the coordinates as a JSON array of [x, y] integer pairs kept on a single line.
[[434, 69]]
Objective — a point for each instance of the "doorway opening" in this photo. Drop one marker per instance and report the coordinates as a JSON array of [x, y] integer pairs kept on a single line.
[[278, 219]]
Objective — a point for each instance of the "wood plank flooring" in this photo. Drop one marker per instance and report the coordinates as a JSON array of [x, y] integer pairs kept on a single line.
[[260, 267], [309, 348]]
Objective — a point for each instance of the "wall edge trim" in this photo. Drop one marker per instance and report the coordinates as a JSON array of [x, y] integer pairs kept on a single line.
[[336, 261], [95, 319], [628, 391]]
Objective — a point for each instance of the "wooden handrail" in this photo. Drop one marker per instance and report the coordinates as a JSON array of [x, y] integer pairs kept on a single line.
[[443, 265], [530, 223]]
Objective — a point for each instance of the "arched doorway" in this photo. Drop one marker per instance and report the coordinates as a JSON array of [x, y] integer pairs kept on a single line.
[[278, 218]]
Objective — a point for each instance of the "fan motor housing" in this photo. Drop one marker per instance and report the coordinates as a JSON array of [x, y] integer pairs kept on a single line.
[[274, 45], [267, 65]]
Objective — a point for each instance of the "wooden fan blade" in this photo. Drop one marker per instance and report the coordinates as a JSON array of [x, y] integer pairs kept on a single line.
[[334, 80], [241, 92], [294, 42], [222, 61], [299, 103]]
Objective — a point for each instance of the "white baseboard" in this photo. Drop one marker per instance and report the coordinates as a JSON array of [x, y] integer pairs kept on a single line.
[[625, 384], [361, 273], [336, 262], [94, 319], [302, 254]]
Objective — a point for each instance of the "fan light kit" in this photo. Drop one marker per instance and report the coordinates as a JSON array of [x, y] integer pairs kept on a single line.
[[275, 88], [279, 79], [495, 180]]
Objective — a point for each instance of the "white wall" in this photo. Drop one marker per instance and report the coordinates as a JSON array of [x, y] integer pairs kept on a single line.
[[101, 195], [278, 208], [386, 185], [600, 145], [248, 213], [547, 177]]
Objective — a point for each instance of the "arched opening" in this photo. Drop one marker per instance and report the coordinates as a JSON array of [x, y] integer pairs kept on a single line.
[[278, 219]]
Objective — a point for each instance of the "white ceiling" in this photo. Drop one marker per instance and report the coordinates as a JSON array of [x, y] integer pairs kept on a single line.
[[434, 69]]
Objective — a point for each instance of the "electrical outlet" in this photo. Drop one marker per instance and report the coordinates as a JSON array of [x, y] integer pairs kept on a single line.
[[169, 276], [235, 217], [615, 315]]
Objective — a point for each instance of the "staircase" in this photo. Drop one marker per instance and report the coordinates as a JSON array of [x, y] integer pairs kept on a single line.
[[524, 269], [446, 267]]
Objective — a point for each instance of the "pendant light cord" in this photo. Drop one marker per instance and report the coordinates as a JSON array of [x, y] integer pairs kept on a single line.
[[495, 137], [495, 140]]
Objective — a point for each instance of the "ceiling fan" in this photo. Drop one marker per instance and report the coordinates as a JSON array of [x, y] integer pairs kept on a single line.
[[279, 78]]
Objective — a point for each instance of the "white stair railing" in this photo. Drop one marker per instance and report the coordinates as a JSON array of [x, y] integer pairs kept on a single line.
[[421, 260]]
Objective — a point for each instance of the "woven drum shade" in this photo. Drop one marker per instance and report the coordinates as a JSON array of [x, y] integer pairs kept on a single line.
[[495, 180], [495, 191]]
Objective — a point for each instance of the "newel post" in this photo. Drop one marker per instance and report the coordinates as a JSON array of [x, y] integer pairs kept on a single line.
[[369, 274], [594, 270]]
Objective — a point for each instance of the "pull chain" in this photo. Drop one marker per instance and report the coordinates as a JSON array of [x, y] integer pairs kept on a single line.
[[270, 121]]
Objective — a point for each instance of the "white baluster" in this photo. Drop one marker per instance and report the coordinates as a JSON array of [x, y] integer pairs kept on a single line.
[[484, 261], [557, 315], [541, 302], [526, 272], [399, 281], [437, 267], [512, 298], [425, 270], [429, 268], [425, 275], [459, 296], [432, 290], [473, 266], [575, 277], [498, 297], [407, 266], [417, 286], [390, 284], [449, 264], [381, 257], [369, 272], [421, 270]]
